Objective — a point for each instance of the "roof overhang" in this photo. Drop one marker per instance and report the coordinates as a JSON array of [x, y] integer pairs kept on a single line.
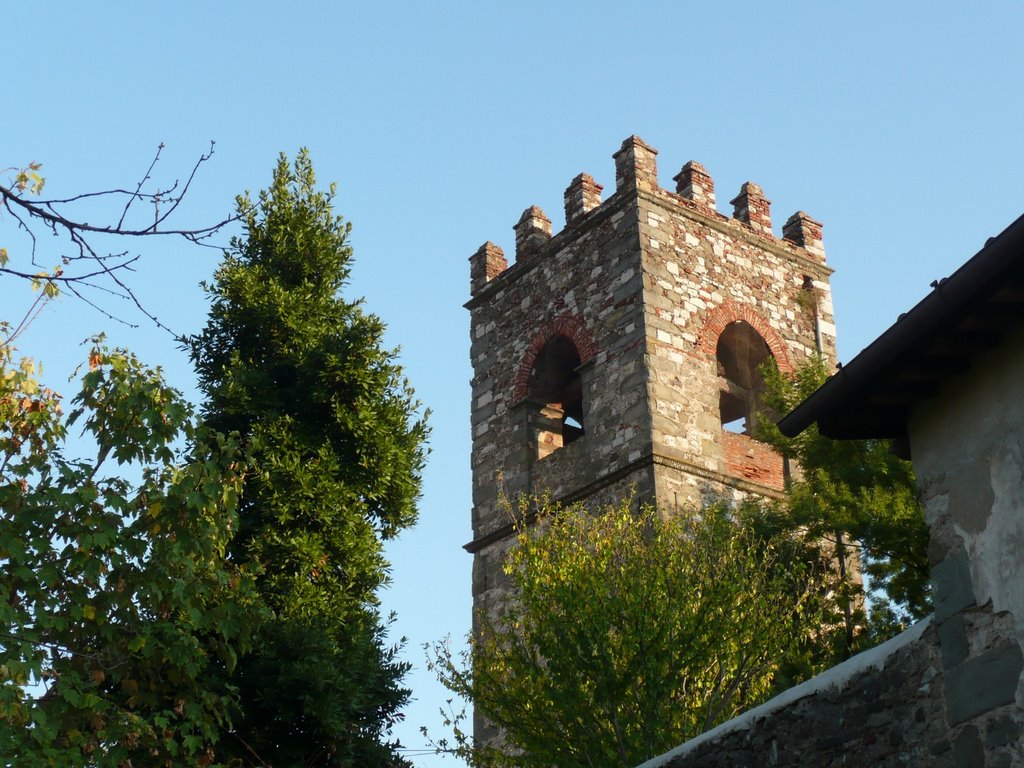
[[873, 395]]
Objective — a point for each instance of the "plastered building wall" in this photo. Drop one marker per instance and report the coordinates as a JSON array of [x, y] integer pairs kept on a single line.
[[968, 450], [642, 283]]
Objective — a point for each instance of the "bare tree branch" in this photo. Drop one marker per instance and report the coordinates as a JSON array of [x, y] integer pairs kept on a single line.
[[100, 270]]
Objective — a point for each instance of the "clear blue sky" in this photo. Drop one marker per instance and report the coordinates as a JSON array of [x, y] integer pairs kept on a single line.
[[899, 125]]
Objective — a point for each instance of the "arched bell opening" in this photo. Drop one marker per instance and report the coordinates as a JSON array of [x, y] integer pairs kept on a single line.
[[556, 387], [740, 352]]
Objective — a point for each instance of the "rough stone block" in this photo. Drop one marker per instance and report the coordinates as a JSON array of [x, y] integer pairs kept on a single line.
[[983, 683], [968, 749], [953, 641], [1002, 731], [952, 588]]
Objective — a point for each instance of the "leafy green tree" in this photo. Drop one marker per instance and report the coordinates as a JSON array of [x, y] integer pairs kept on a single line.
[[852, 495], [336, 454], [626, 633], [119, 614]]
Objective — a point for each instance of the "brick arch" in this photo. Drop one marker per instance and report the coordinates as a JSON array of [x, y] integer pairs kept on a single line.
[[730, 311], [569, 326]]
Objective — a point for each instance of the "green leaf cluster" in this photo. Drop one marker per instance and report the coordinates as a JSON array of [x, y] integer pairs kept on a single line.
[[117, 605], [854, 495], [335, 451], [625, 633]]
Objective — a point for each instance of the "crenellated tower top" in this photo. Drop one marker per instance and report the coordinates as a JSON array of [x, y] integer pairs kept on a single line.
[[636, 173]]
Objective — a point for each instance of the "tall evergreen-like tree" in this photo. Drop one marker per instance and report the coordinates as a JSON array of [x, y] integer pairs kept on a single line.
[[336, 452]]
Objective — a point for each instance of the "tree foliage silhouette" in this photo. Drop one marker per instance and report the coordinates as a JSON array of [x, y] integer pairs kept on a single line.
[[336, 449]]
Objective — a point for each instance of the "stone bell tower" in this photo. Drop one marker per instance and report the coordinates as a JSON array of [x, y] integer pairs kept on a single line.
[[620, 355]]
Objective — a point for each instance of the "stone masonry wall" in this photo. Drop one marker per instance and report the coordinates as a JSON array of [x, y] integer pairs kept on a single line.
[[586, 275], [883, 708], [703, 271]]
